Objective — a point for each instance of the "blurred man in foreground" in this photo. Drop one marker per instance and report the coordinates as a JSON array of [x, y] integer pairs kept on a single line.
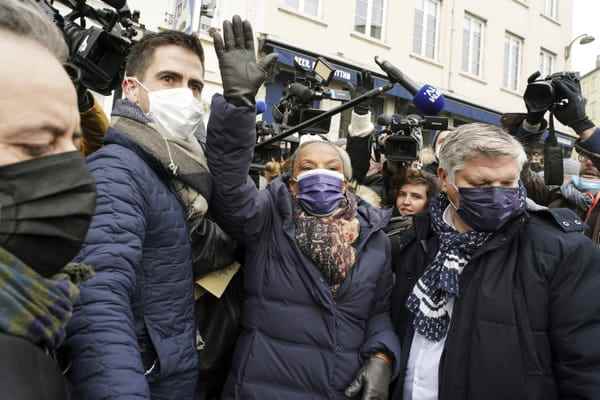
[[47, 199]]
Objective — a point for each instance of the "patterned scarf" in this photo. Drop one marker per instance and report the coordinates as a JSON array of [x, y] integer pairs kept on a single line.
[[33, 307], [429, 298], [328, 240]]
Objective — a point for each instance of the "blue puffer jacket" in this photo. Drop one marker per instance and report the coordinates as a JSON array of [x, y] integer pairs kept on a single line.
[[297, 341], [139, 307]]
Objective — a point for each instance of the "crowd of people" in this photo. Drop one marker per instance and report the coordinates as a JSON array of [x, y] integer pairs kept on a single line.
[[155, 268]]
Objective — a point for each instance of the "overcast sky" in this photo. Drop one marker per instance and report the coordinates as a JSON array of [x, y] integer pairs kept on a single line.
[[586, 19]]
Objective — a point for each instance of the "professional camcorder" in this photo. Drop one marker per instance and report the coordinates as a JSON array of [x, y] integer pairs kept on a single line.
[[98, 54], [542, 94], [309, 85], [401, 138]]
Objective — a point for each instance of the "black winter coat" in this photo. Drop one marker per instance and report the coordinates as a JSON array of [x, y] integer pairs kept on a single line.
[[527, 322]]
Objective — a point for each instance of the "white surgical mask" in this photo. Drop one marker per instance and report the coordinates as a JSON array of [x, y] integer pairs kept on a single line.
[[177, 111]]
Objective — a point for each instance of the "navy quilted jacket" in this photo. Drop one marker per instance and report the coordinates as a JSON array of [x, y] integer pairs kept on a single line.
[[297, 342], [138, 309]]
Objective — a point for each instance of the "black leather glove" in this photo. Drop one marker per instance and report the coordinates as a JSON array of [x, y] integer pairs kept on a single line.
[[373, 380], [241, 74], [364, 83], [573, 112], [534, 118]]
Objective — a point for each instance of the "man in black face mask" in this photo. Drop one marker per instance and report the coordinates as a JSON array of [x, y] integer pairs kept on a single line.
[[495, 300], [47, 199]]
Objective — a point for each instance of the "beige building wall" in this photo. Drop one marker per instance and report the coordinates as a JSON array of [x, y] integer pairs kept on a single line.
[[590, 83], [332, 33]]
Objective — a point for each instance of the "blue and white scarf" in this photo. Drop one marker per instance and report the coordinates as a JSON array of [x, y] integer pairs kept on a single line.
[[440, 281]]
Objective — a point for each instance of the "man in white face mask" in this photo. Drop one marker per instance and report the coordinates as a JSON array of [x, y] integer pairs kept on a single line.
[[136, 317]]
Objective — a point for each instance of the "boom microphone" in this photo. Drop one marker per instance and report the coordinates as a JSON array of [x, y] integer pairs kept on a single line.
[[428, 99], [303, 93]]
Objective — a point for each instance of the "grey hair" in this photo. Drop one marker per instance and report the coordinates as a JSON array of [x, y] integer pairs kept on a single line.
[[344, 157], [25, 18], [471, 140]]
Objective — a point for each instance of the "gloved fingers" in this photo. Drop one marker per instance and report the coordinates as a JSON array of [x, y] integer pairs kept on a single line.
[[228, 35], [267, 63], [249, 36], [356, 386], [238, 31], [218, 42], [533, 77]]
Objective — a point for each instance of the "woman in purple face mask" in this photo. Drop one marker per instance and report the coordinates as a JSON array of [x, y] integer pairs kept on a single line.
[[494, 299], [317, 272]]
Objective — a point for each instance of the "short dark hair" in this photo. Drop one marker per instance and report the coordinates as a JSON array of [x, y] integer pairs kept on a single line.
[[142, 53], [418, 177]]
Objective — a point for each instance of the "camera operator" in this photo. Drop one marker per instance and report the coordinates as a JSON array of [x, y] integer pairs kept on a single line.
[[577, 194], [368, 172], [47, 198]]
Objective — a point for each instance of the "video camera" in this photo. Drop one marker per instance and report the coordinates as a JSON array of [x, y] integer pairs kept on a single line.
[[309, 85], [542, 94], [401, 138], [98, 54]]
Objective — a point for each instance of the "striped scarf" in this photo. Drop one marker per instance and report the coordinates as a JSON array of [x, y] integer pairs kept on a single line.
[[33, 307], [440, 281]]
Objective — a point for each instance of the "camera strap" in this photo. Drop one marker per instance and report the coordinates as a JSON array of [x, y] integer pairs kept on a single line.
[[553, 157]]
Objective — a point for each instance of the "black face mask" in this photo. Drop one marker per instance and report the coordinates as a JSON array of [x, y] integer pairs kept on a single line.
[[46, 206]]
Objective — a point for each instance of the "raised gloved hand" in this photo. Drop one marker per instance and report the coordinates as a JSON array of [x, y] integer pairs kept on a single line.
[[373, 379], [534, 118], [241, 74], [573, 112], [364, 83]]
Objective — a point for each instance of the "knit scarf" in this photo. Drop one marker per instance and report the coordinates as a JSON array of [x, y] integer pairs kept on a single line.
[[33, 307], [328, 241], [440, 281]]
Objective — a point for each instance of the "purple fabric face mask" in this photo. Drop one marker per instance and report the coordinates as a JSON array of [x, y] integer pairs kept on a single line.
[[488, 209], [320, 191]]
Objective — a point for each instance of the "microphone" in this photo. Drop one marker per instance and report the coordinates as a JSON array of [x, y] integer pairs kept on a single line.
[[261, 107], [304, 94], [428, 99]]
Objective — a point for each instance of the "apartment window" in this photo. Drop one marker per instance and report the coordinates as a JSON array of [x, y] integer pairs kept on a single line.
[[308, 7], [425, 41], [208, 10], [551, 8], [473, 44], [369, 18], [547, 62], [513, 49]]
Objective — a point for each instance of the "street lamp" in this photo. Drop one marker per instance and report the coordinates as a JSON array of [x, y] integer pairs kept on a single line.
[[585, 39]]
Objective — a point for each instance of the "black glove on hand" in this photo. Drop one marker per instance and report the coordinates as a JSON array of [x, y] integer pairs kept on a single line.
[[572, 113], [241, 74], [373, 379], [363, 85], [534, 118]]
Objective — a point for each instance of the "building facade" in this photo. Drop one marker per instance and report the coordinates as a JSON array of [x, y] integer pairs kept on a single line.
[[479, 53], [590, 84]]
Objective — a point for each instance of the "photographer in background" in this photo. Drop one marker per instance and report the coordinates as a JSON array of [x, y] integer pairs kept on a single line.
[[47, 198], [579, 193], [368, 172]]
